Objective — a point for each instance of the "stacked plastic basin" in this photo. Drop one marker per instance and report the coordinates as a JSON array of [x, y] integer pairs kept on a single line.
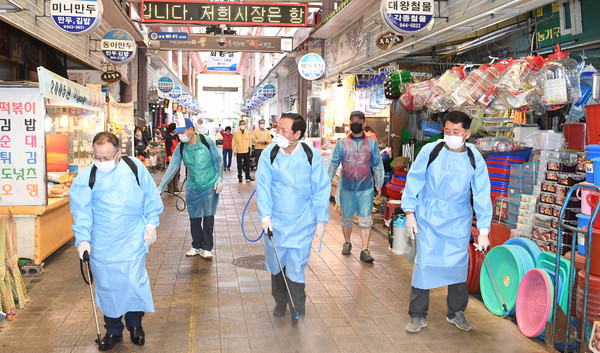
[[499, 168], [396, 186], [535, 297], [506, 265]]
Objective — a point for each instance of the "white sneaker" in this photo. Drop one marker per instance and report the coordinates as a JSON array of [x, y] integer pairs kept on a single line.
[[206, 254], [193, 252]]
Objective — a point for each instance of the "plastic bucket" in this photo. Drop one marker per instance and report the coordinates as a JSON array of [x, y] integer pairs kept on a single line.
[[581, 194], [591, 152], [507, 264], [574, 135], [583, 220], [536, 291], [592, 199], [592, 112]]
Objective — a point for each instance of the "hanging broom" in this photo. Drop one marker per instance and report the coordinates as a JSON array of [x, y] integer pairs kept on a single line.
[[12, 263]]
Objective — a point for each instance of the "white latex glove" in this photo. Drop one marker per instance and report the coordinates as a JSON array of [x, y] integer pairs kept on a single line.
[[218, 187], [411, 226], [266, 224], [150, 235], [83, 247], [483, 240], [320, 231]]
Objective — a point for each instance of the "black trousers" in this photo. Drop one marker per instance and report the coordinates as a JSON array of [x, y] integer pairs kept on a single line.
[[457, 300], [280, 293], [257, 153], [202, 232], [243, 163], [114, 325]]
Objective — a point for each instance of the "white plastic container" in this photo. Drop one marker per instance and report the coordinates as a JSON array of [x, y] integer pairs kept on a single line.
[[459, 95], [519, 72], [548, 140], [561, 79], [450, 80], [488, 78]]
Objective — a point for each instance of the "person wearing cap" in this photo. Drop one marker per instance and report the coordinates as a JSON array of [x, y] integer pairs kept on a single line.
[[204, 165], [261, 138], [360, 158], [116, 210], [437, 202], [241, 149]]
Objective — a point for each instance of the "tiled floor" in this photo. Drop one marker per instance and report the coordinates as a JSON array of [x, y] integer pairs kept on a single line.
[[204, 306]]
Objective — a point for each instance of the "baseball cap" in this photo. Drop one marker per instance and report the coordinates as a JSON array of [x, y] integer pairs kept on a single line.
[[182, 124]]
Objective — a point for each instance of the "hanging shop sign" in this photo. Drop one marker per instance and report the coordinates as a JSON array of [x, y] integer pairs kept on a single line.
[[269, 91], [76, 16], [348, 43], [407, 17], [118, 46], [65, 92], [311, 66], [168, 36], [221, 61], [230, 13], [165, 84], [175, 93], [388, 40], [22, 147], [110, 76], [203, 42], [183, 98]]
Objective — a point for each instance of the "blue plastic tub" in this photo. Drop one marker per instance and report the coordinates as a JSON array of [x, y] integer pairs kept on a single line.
[[591, 152]]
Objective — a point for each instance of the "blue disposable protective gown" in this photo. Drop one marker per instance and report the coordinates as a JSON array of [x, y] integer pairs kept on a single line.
[[204, 170], [296, 196], [112, 218], [440, 197], [358, 158]]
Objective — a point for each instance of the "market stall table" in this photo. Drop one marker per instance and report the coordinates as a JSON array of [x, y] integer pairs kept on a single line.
[[41, 230]]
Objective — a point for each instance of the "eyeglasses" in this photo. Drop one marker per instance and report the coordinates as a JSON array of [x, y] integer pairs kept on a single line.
[[105, 159]]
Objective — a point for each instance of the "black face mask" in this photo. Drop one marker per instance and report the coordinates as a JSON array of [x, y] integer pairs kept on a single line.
[[356, 128]]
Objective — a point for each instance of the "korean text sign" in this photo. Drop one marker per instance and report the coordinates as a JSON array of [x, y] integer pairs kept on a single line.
[[22, 147], [64, 92], [233, 13], [407, 17]]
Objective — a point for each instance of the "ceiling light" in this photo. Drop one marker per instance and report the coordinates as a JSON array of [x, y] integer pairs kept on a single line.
[[10, 6]]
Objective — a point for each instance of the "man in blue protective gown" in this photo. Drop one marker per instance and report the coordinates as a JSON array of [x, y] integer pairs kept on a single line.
[[293, 201], [116, 210], [204, 165], [437, 203], [360, 159]]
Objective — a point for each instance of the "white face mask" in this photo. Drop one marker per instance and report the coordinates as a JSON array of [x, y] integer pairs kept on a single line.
[[282, 141], [242, 127], [454, 142], [106, 166], [262, 126], [138, 134], [183, 137]]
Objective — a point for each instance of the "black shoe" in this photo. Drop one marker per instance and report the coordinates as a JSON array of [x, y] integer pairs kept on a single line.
[[279, 310], [249, 178], [365, 255], [108, 342], [138, 337], [240, 179]]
